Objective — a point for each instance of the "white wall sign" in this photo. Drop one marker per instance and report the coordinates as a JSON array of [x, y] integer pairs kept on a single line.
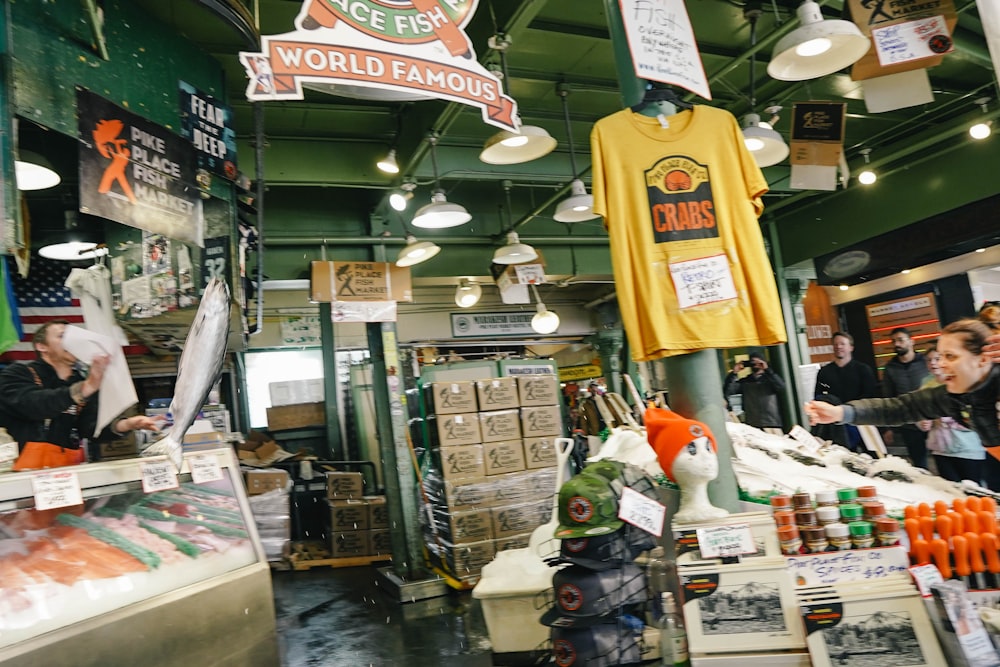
[[663, 45], [903, 42], [416, 48], [703, 280], [469, 325]]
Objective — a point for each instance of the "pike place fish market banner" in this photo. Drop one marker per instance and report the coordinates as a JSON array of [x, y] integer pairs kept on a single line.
[[413, 47], [136, 172]]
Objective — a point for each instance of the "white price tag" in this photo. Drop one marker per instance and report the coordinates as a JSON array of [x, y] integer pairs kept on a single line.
[[56, 489], [8, 452], [832, 567], [726, 541], [804, 438], [204, 468], [642, 512], [158, 476]]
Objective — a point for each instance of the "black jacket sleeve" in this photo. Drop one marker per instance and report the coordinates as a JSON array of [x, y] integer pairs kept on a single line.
[[30, 401], [731, 385]]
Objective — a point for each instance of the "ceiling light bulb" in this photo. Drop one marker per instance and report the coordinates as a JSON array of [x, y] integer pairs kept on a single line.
[[813, 47], [905, 271], [440, 213], [867, 177], [34, 172], [980, 131], [388, 164], [416, 251], [468, 293], [397, 200], [514, 252], [515, 140], [980, 249], [72, 251], [753, 144], [506, 147], [817, 47], [578, 206], [544, 321], [843, 288], [766, 145]]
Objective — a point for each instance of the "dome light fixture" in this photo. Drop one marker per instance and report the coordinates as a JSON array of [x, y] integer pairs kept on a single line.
[[401, 197], [415, 252], [982, 130], [868, 176], [34, 172], [440, 213], [817, 47], [388, 164], [579, 206], [764, 143], [514, 252], [545, 321], [468, 293]]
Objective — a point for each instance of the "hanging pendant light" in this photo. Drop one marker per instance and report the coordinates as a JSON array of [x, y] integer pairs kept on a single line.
[[388, 164], [545, 321], [34, 172], [440, 213], [530, 142], [468, 293], [514, 252], [817, 47], [579, 206], [415, 252], [764, 143]]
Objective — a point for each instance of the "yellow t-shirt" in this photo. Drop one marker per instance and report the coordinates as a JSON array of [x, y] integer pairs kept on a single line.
[[680, 204]]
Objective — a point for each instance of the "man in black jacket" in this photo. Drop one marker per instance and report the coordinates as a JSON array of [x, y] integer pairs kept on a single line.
[[845, 379], [904, 373], [49, 400], [760, 390]]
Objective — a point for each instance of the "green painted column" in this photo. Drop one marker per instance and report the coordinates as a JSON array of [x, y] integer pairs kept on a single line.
[[334, 447], [10, 211], [694, 381], [609, 345]]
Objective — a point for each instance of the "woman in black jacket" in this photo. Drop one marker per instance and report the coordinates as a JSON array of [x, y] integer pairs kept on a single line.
[[969, 394]]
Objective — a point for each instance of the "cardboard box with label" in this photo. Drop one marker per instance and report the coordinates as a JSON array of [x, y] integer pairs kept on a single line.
[[543, 420], [450, 398], [378, 512], [461, 429], [466, 559], [502, 457], [540, 452], [519, 541], [469, 526], [524, 518], [462, 462], [466, 494], [262, 481], [500, 425], [344, 485], [299, 415], [522, 487], [122, 448], [497, 394], [348, 515], [379, 542], [349, 544], [359, 281], [535, 390]]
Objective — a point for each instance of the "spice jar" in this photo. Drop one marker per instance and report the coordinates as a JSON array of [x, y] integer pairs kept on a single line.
[[790, 540], [784, 518], [824, 498], [887, 532], [838, 535], [802, 501], [806, 517], [851, 512], [867, 493], [861, 534], [815, 539], [873, 510], [827, 514], [781, 502], [845, 496]]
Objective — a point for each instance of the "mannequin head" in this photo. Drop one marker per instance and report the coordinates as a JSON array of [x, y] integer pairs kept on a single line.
[[682, 445]]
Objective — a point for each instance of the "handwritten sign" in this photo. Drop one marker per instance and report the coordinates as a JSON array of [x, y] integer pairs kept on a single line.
[[852, 565], [703, 280], [204, 468], [725, 541], [158, 476], [642, 512], [662, 44], [904, 42], [56, 489]]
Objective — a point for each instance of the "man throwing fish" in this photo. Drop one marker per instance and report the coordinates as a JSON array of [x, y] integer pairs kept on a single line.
[[48, 406]]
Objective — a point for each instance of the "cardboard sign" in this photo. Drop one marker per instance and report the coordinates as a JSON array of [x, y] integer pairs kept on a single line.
[[416, 49], [818, 133], [359, 281], [871, 16]]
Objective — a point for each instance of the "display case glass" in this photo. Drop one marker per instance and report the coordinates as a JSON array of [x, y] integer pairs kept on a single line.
[[121, 546]]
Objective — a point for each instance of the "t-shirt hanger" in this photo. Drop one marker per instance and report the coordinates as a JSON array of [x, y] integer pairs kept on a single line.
[[660, 102]]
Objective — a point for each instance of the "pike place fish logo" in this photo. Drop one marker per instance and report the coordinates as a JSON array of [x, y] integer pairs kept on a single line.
[[570, 597], [411, 48], [580, 509], [681, 204]]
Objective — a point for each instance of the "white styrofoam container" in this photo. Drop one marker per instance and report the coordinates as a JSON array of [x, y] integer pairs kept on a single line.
[[512, 606]]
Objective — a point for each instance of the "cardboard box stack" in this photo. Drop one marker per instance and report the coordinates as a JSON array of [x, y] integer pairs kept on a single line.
[[491, 484], [350, 515]]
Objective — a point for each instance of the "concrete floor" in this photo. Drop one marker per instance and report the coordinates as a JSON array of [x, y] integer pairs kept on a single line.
[[329, 617]]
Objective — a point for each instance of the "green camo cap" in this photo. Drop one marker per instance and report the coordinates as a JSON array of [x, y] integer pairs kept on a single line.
[[588, 506]]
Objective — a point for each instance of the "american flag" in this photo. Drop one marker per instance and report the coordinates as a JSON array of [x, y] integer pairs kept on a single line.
[[41, 297]]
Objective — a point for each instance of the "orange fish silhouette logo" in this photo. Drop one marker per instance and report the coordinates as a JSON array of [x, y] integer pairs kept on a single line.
[[110, 146]]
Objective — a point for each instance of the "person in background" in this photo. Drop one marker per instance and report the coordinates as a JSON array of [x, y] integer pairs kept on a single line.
[[904, 373], [760, 390], [989, 314], [958, 452], [968, 393], [52, 405], [845, 379]]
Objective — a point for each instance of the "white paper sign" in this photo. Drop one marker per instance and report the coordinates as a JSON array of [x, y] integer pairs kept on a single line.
[[662, 44], [724, 541], [804, 438], [158, 476], [56, 489], [204, 468], [8, 452], [852, 565], [642, 512], [703, 280], [913, 40], [925, 576]]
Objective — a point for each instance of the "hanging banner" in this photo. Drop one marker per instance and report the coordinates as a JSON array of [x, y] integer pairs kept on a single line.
[[135, 172], [208, 124], [662, 44], [417, 47]]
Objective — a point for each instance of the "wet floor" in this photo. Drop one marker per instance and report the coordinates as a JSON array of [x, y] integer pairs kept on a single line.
[[343, 617]]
